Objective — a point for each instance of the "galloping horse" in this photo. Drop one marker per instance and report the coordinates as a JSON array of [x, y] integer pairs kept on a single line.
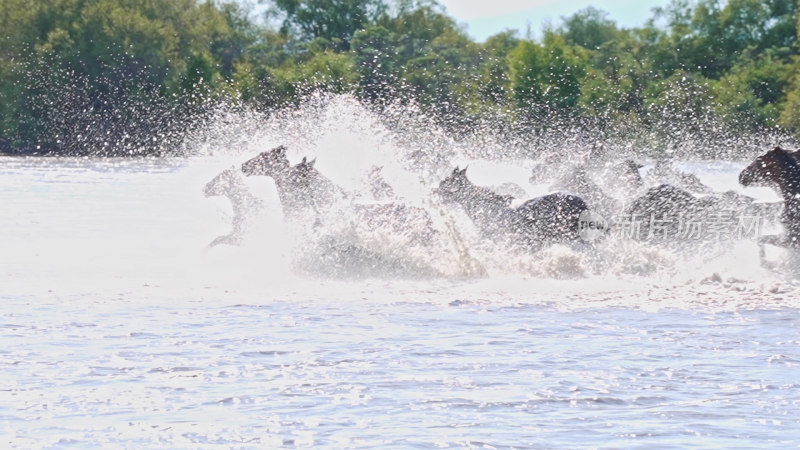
[[780, 170], [550, 218], [229, 183]]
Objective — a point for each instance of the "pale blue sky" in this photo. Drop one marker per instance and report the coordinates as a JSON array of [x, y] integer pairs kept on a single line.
[[484, 18]]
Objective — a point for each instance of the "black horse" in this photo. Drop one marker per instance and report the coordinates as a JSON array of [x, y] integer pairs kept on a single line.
[[547, 219], [780, 170]]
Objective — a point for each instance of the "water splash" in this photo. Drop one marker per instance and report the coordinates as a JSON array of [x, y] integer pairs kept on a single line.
[[348, 140], [152, 218]]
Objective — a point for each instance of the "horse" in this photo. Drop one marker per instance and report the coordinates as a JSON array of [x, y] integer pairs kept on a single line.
[[488, 209], [603, 186], [780, 170], [663, 200], [546, 219], [669, 211], [230, 183], [319, 190]]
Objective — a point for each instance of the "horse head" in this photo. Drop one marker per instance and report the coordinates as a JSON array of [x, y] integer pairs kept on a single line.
[[223, 184], [303, 174], [269, 163], [778, 168], [306, 166], [629, 170], [455, 185]]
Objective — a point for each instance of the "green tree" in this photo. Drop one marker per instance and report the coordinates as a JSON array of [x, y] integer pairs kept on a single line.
[[680, 108], [751, 95], [546, 79], [374, 49], [96, 71], [334, 20], [711, 39], [590, 28], [487, 88]]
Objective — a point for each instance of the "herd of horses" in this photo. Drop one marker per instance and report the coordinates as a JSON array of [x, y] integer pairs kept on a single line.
[[306, 194]]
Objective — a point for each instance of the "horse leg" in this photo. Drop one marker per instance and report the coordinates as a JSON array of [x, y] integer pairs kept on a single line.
[[229, 239]]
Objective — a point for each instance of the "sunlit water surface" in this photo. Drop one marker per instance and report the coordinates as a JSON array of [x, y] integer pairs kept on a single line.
[[120, 327]]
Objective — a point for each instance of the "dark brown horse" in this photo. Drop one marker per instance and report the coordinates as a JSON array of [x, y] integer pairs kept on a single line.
[[667, 205], [550, 218], [780, 170]]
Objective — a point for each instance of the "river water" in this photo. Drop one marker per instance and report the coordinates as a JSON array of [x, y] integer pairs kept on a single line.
[[120, 327]]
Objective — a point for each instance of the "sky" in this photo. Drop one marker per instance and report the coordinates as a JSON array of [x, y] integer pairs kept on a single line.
[[484, 18]]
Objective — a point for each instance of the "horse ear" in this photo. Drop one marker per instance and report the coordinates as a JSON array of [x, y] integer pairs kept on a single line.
[[312, 162], [282, 150], [455, 171], [304, 160], [464, 170]]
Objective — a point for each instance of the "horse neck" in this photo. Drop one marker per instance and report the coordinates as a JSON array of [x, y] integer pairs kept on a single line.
[[298, 194], [481, 202], [319, 182], [789, 181], [241, 198], [286, 192], [491, 197], [243, 203], [319, 189]]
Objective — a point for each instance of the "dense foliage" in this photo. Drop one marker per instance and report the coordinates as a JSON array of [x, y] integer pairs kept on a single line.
[[83, 76]]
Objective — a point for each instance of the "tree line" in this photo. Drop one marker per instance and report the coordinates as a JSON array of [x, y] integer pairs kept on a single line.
[[132, 76]]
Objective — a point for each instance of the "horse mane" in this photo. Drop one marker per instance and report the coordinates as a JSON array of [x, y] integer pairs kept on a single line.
[[790, 181], [785, 156]]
